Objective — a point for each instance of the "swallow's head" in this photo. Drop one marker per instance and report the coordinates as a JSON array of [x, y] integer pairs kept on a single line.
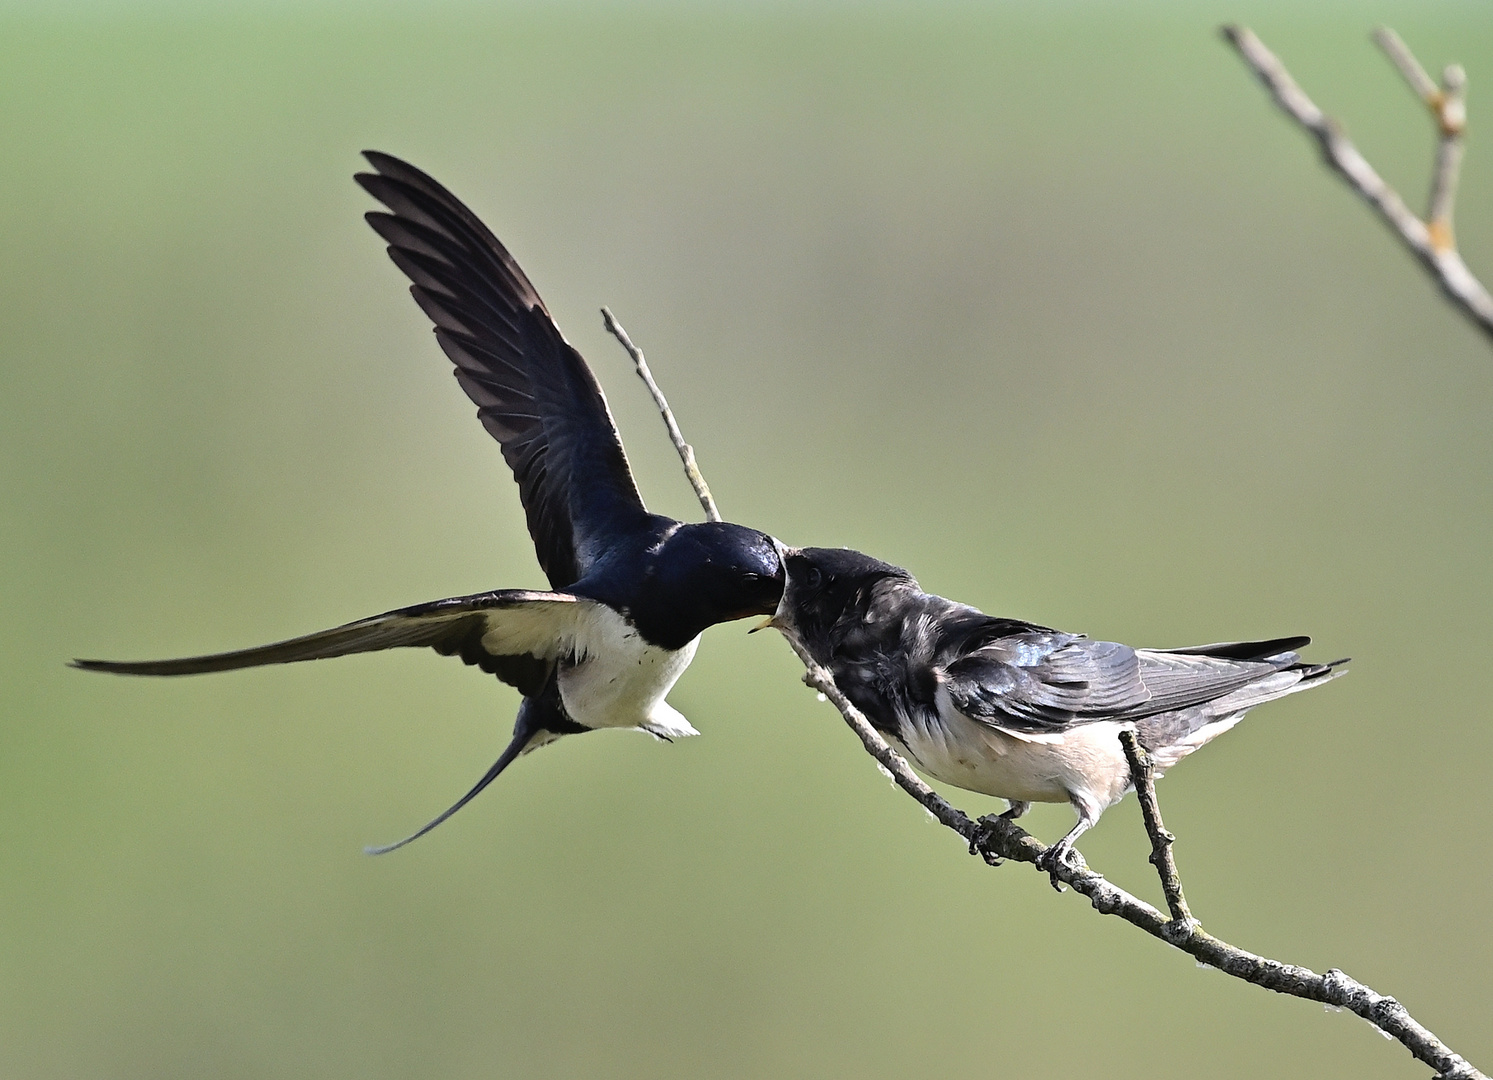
[[710, 572], [825, 589], [742, 571]]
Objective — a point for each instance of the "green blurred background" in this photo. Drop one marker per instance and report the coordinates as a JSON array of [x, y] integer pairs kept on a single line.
[[1046, 303]]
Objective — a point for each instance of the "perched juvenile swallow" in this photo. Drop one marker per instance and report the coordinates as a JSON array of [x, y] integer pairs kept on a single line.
[[632, 590], [1012, 709]]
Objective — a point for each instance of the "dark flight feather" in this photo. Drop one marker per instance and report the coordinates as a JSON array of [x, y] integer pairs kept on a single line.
[[458, 626], [533, 392]]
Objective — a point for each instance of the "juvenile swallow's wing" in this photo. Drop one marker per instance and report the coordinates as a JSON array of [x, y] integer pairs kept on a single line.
[[1182, 678], [533, 392], [1045, 681], [514, 634], [1039, 683]]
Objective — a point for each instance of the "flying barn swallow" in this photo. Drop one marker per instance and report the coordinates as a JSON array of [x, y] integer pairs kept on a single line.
[[1012, 709], [632, 590]]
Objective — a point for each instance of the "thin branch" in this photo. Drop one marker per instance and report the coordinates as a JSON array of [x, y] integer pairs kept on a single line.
[[1400, 55], [1143, 778], [1431, 241], [1452, 115], [686, 451], [996, 838], [1448, 106]]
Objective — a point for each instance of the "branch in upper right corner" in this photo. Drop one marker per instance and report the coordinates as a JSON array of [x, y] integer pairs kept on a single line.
[[1431, 240]]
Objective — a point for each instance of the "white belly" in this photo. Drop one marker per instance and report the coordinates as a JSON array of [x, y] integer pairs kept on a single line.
[[620, 681], [1085, 764]]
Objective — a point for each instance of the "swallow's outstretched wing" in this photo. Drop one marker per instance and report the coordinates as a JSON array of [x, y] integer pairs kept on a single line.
[[533, 392], [515, 634]]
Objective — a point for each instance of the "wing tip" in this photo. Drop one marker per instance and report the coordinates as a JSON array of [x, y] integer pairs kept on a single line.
[[384, 166], [127, 667], [380, 160]]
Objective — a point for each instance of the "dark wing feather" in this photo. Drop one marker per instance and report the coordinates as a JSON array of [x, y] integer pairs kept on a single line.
[[533, 392], [1182, 678], [514, 634], [1042, 682], [1046, 681], [1243, 650]]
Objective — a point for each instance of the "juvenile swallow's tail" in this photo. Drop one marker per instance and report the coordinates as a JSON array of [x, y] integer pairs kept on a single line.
[[1171, 736]]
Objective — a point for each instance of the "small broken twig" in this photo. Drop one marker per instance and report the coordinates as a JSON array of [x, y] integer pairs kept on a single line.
[[686, 451], [1142, 776], [1431, 241]]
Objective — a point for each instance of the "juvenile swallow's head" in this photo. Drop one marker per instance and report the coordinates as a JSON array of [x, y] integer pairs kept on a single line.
[[826, 589]]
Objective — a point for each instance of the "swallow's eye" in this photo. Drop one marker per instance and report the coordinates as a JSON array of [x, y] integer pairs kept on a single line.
[[813, 579], [750, 578]]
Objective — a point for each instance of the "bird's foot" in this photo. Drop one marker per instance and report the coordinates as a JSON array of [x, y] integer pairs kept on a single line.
[[981, 843], [1061, 856], [985, 831]]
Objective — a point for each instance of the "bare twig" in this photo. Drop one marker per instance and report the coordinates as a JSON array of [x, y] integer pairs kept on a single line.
[[686, 451], [1431, 241], [1452, 115], [1448, 106], [996, 838], [1161, 840], [1400, 55]]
